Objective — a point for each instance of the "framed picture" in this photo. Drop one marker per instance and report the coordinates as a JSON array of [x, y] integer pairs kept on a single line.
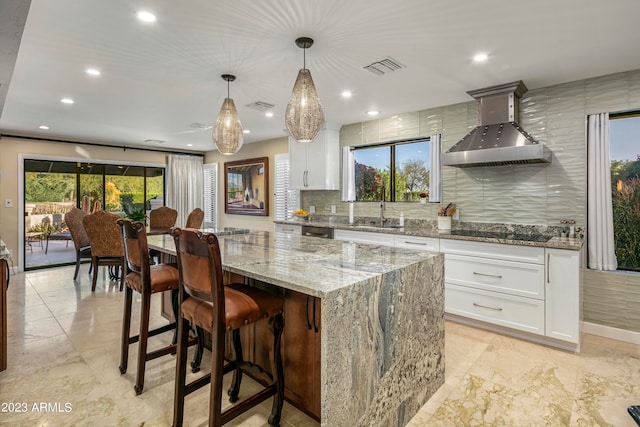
[[246, 187]]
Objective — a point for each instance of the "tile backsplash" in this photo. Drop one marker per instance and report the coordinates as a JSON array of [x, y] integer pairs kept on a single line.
[[519, 194]]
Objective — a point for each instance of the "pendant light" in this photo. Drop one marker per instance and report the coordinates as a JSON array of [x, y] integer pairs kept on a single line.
[[227, 133], [304, 116]]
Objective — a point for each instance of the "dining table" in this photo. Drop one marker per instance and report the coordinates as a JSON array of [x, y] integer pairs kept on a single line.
[[381, 316]]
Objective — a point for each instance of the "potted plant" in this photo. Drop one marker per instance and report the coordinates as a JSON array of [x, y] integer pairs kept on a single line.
[[424, 196], [137, 215]]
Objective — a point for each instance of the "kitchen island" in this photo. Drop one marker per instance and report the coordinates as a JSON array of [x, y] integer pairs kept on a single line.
[[381, 311]]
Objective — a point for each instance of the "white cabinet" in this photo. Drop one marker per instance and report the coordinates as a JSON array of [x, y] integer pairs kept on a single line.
[[562, 288], [288, 229], [316, 165], [416, 242], [364, 237], [524, 288]]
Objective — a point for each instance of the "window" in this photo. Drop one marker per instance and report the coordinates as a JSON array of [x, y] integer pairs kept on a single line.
[[287, 200], [210, 195], [396, 172], [624, 151]]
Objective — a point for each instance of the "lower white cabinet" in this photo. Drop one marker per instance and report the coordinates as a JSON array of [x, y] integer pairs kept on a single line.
[[288, 229], [562, 289], [363, 237], [525, 288]]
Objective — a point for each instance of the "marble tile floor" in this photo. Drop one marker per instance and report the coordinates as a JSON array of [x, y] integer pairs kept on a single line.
[[64, 351]]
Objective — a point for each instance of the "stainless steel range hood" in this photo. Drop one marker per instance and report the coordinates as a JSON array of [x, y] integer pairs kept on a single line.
[[498, 140]]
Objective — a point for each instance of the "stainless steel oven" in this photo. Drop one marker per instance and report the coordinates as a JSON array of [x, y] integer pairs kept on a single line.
[[324, 232]]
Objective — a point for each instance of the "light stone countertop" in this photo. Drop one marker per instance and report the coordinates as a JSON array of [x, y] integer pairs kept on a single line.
[[310, 265], [423, 230]]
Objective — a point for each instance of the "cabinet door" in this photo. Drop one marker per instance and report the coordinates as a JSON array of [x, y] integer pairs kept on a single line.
[[297, 165], [323, 161], [302, 351], [363, 237], [562, 289]]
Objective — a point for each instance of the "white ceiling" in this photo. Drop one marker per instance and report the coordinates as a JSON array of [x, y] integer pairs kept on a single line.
[[159, 78]]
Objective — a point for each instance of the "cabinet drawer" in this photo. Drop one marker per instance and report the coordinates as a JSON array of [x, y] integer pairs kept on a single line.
[[288, 229], [493, 250], [514, 312], [364, 237], [417, 242], [516, 278]]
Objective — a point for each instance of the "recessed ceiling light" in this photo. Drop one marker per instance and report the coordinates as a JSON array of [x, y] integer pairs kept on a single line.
[[268, 114], [246, 131], [44, 127], [373, 112], [93, 71], [66, 101], [145, 16], [189, 145], [346, 94], [480, 57]]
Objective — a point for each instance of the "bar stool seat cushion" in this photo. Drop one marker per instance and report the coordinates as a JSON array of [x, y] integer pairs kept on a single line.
[[164, 277], [243, 305]]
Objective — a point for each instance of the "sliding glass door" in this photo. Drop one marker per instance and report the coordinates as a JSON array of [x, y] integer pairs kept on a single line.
[[52, 188]]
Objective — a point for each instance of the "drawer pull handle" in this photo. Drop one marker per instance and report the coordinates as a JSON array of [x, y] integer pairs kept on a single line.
[[415, 243], [288, 229], [548, 266], [486, 306], [488, 275]]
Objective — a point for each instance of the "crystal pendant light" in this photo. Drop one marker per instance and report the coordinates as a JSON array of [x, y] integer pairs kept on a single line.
[[227, 133], [304, 116]]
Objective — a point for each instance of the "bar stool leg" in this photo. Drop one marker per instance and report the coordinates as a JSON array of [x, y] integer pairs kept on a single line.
[[234, 390], [181, 372], [126, 325], [142, 343], [276, 326]]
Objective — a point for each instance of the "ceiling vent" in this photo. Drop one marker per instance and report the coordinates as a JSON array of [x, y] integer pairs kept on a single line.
[[383, 66], [261, 106]]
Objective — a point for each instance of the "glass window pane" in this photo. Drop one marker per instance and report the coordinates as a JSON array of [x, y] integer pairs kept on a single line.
[[412, 171], [372, 172], [625, 182]]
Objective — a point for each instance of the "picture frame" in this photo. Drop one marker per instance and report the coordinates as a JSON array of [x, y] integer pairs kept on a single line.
[[246, 187]]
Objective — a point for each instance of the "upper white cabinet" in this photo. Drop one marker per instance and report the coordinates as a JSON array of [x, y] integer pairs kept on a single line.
[[316, 165]]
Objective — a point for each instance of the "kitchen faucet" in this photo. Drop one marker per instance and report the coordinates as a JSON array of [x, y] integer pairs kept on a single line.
[[382, 218]]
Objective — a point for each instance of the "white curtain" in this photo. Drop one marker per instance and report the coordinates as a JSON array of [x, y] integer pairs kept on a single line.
[[348, 175], [435, 182], [601, 247], [185, 187]]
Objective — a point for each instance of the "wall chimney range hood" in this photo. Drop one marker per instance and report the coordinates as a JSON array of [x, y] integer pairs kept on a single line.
[[498, 140]]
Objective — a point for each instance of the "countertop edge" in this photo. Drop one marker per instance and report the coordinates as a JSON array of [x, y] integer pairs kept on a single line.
[[556, 242]]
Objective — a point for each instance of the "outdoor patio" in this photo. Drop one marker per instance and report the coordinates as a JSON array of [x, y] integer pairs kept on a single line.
[[60, 252]]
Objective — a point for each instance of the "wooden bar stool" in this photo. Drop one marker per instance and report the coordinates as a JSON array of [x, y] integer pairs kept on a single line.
[[147, 280], [207, 303]]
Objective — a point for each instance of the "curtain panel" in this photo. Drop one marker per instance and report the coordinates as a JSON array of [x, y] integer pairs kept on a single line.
[[185, 185], [601, 246]]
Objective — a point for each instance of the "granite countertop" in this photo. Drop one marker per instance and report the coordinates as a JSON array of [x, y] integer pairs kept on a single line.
[[309, 265], [511, 234]]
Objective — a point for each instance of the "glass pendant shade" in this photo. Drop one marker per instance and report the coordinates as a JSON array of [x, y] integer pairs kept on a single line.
[[304, 116], [227, 132]]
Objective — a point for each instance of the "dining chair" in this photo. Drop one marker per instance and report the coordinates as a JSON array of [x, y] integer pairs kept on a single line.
[[106, 244], [79, 235], [162, 218], [208, 303], [195, 218], [147, 280]]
